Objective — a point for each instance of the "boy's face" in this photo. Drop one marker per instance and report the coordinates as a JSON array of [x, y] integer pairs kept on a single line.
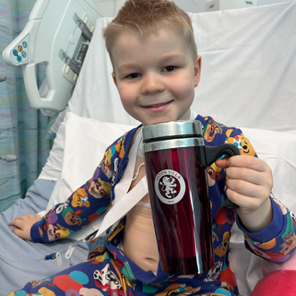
[[155, 75]]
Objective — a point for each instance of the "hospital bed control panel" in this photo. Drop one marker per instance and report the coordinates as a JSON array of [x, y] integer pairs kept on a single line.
[[20, 54], [57, 35]]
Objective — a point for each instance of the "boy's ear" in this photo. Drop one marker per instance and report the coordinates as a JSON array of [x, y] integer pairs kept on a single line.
[[197, 70], [114, 79]]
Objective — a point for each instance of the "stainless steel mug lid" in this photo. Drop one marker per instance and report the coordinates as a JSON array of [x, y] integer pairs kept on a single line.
[[172, 129]]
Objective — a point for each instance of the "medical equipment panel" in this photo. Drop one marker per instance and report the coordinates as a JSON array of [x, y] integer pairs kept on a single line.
[[57, 35]]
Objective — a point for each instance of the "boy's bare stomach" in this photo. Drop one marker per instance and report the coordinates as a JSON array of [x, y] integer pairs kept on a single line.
[[139, 242]]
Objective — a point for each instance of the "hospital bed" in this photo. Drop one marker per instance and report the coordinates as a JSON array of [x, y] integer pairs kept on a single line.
[[248, 81]]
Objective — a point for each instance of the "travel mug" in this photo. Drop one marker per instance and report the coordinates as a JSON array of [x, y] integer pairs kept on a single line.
[[176, 162]]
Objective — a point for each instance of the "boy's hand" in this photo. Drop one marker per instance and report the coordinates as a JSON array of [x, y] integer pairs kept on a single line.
[[249, 186], [23, 225]]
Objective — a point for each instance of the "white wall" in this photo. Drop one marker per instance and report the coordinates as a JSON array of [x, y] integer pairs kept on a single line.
[[191, 5], [111, 7], [108, 7]]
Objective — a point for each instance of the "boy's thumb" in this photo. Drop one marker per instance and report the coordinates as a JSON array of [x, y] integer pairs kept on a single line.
[[222, 163]]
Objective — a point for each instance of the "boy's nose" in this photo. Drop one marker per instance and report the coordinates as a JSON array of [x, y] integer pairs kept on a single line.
[[152, 84]]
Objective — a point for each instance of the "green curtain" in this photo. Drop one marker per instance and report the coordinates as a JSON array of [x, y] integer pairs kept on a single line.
[[23, 130]]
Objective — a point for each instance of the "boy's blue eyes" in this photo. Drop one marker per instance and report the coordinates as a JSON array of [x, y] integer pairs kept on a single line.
[[169, 68], [166, 69], [134, 75]]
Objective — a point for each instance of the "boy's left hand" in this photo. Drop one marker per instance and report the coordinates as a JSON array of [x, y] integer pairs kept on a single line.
[[23, 225], [249, 185]]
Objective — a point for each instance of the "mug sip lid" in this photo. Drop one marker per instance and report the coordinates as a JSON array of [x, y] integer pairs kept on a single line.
[[172, 130]]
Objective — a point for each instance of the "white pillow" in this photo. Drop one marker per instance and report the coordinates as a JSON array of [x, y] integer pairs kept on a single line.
[[85, 143], [53, 165]]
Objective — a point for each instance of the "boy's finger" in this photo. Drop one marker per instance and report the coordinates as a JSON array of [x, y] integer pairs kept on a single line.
[[222, 163], [17, 232], [26, 216], [20, 233], [22, 217], [247, 161], [11, 223], [16, 223]]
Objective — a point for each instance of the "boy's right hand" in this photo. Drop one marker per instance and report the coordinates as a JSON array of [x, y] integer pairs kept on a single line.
[[23, 225]]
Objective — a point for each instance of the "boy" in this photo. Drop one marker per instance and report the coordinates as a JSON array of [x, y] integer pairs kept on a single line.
[[155, 69]]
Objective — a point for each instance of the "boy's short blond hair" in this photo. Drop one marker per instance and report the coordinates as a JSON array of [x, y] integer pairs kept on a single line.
[[149, 16]]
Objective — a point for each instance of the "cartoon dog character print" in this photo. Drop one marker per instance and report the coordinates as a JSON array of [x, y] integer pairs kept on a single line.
[[106, 280], [119, 146], [99, 189], [247, 148], [211, 129], [80, 199], [222, 248], [106, 164], [214, 272], [55, 232], [289, 244], [241, 142], [257, 251], [213, 173], [73, 218], [62, 206]]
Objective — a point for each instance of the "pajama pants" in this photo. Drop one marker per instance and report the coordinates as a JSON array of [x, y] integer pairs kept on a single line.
[[107, 275]]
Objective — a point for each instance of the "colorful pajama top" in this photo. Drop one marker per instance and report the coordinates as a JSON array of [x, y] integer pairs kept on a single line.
[[111, 272]]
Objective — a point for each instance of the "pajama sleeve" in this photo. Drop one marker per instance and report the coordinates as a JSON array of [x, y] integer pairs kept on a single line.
[[83, 206], [277, 241]]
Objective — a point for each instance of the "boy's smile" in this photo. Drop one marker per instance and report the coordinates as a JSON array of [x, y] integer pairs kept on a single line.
[[155, 75]]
